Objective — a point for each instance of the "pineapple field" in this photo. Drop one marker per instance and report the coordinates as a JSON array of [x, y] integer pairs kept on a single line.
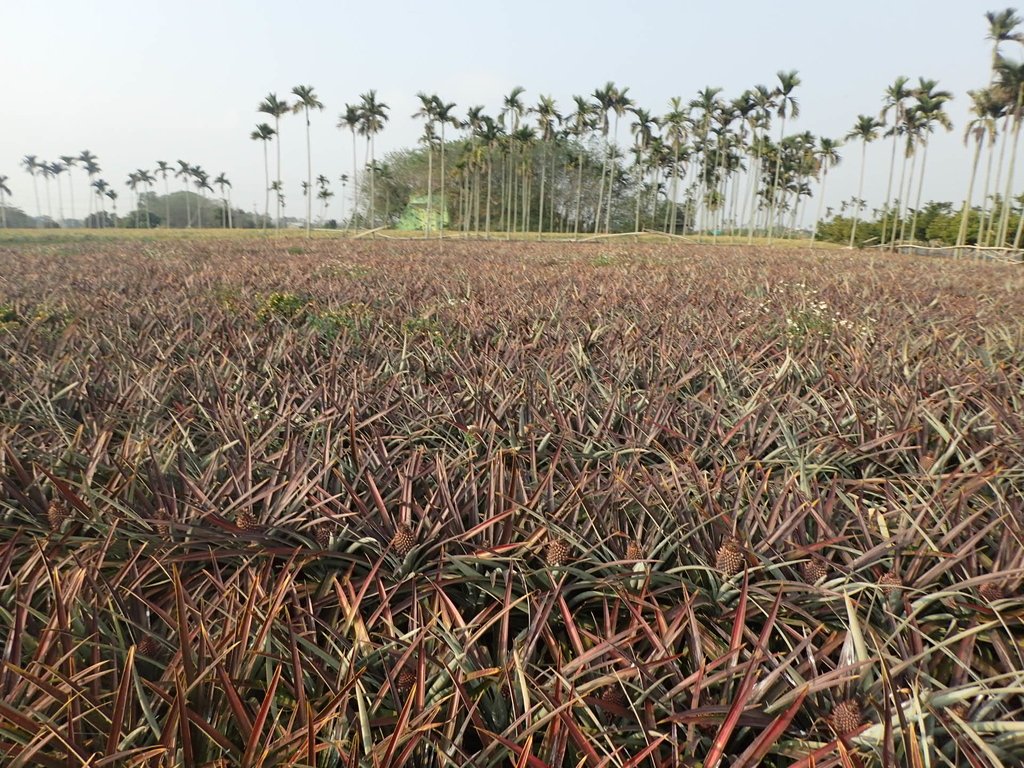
[[270, 501]]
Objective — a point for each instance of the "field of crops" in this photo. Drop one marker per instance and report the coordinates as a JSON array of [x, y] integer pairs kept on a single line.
[[350, 503]]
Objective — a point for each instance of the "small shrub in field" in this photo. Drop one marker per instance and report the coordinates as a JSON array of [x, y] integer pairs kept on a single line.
[[8, 317], [282, 306]]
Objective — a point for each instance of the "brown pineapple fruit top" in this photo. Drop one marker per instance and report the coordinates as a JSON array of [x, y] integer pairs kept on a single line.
[[730, 558], [404, 540], [846, 717]]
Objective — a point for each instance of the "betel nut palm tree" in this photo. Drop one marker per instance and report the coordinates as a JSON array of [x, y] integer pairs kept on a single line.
[[866, 130], [264, 133], [307, 100], [276, 107]]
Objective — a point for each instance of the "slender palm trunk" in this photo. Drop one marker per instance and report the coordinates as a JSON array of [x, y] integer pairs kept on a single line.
[[1004, 221], [920, 186], [372, 145], [860, 192], [490, 173], [71, 192], [961, 237], [543, 179], [1020, 230], [430, 189], [266, 188], [775, 182], [757, 169], [60, 200], [188, 206], [888, 188], [984, 191], [990, 231], [444, 209], [600, 187], [167, 199], [309, 179], [821, 200], [39, 208], [906, 194], [579, 196], [277, 192]]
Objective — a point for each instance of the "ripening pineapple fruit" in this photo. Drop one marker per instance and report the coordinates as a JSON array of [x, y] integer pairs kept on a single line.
[[406, 680], [56, 514], [991, 591], [890, 582], [404, 540], [558, 553], [634, 551], [322, 533], [613, 696], [730, 559], [246, 521], [813, 570], [163, 527], [846, 717], [148, 647]]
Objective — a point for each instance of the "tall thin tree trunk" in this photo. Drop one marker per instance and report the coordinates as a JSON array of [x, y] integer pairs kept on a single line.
[[999, 176], [821, 200], [920, 186], [888, 188], [278, 191], [860, 192], [961, 236], [1004, 221]]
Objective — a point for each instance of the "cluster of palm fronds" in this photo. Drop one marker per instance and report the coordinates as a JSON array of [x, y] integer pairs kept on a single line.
[[387, 503]]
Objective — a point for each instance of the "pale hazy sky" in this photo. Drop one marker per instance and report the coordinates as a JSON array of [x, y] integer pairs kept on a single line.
[[135, 81]]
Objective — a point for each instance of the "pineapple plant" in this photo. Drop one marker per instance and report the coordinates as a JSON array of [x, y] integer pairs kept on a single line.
[[890, 582], [634, 551], [992, 591], [56, 514], [613, 697], [322, 533], [246, 521], [558, 553], [404, 540], [813, 570], [405, 681], [730, 558], [846, 717], [149, 647]]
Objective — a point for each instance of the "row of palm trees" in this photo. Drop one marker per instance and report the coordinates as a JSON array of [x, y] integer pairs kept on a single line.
[[140, 182], [709, 164]]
